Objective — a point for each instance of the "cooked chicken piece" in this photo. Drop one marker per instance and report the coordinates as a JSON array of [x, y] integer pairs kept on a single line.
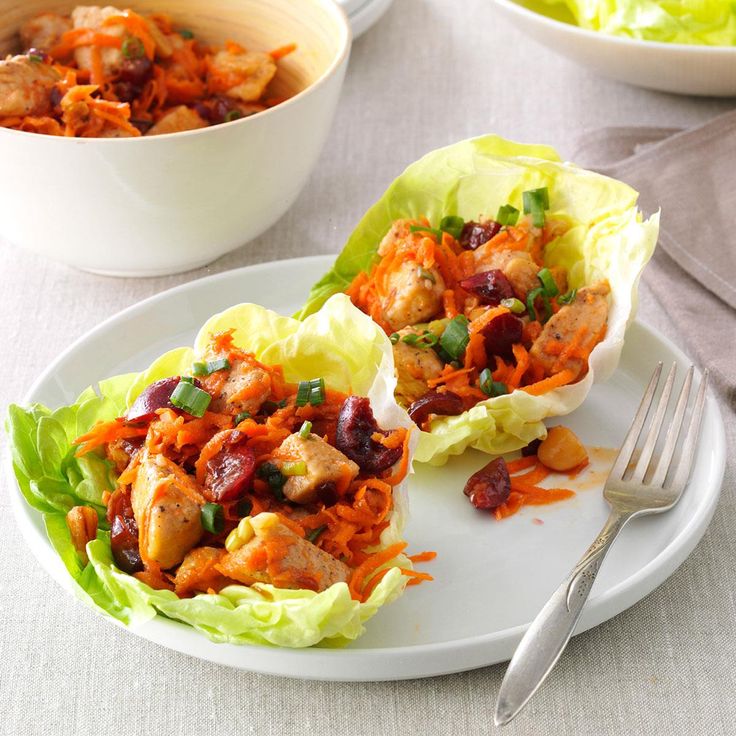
[[250, 72], [414, 295], [179, 119], [164, 44], [246, 387], [517, 265], [277, 555], [589, 310], [166, 504], [324, 464], [44, 31], [93, 17], [414, 367], [25, 86], [197, 572], [400, 230]]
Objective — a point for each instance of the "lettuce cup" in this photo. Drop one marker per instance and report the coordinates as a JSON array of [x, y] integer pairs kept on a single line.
[[505, 280], [253, 486]]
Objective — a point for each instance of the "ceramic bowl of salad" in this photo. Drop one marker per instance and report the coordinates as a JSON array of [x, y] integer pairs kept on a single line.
[[167, 135], [685, 48]]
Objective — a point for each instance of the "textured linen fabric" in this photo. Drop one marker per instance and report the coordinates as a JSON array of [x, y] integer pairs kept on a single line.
[[429, 73]]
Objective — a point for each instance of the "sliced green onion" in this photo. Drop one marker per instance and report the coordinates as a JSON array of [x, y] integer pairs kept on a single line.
[[531, 298], [37, 58], [513, 305], [213, 518], [186, 379], [567, 298], [507, 215], [427, 275], [231, 115], [298, 467], [394, 337], [490, 387], [549, 285], [191, 399], [315, 534], [186, 33], [133, 48], [452, 225], [536, 201], [274, 477], [498, 388], [422, 229], [455, 338], [242, 417], [306, 430], [243, 507], [211, 366], [311, 392]]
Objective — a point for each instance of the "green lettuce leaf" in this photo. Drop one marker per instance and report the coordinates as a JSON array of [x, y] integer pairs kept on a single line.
[[606, 239], [339, 343], [702, 22]]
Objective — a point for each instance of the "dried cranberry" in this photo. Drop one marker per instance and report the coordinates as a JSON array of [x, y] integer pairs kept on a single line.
[[216, 109], [434, 402], [123, 532], [155, 396], [127, 91], [355, 427], [55, 96], [229, 473], [490, 486], [136, 71], [143, 125], [531, 448], [489, 286], [474, 234], [501, 333]]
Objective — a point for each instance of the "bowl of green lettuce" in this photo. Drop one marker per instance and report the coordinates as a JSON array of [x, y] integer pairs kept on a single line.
[[681, 46]]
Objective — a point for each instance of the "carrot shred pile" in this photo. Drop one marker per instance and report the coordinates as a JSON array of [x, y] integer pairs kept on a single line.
[[156, 69]]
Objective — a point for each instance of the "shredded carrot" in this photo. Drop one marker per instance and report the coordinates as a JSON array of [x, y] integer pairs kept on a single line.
[[105, 433], [423, 557], [282, 51], [478, 324], [400, 472], [522, 463], [559, 379], [370, 566]]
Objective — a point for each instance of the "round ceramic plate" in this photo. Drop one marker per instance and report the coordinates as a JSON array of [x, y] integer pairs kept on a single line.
[[669, 67], [491, 578], [363, 14]]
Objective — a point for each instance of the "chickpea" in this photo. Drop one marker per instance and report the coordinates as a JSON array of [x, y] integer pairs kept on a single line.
[[82, 523], [561, 450]]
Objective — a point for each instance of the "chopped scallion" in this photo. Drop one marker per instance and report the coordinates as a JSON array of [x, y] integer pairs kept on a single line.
[[133, 48], [231, 115], [275, 479], [507, 215], [306, 430], [210, 366], [567, 298], [243, 507], [315, 534], [189, 398], [530, 306], [422, 229], [490, 387], [242, 417], [549, 285], [427, 275], [311, 392], [452, 225], [513, 305], [213, 518], [187, 379], [536, 201], [455, 338], [298, 467], [394, 337], [186, 33]]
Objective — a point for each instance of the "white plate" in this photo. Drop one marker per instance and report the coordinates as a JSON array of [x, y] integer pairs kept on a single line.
[[363, 14], [684, 69], [491, 577]]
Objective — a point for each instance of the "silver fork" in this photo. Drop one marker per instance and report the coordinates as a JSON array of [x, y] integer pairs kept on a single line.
[[651, 488]]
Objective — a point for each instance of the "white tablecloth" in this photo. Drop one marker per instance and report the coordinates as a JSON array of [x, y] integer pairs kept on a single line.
[[430, 73]]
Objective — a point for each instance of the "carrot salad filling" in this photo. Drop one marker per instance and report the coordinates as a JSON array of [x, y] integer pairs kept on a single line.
[[102, 72], [474, 313], [234, 476]]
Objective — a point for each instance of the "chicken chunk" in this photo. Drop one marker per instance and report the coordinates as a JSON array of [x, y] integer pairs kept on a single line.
[[325, 465], [242, 75], [44, 31], [197, 572], [277, 555], [166, 504], [246, 387], [25, 86], [164, 43], [414, 367], [517, 266], [589, 310], [93, 18], [179, 119], [414, 295], [400, 230]]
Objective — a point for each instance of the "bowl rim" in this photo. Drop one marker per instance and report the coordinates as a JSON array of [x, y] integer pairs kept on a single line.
[[345, 42], [625, 41]]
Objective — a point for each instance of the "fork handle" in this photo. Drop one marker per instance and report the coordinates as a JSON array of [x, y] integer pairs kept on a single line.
[[547, 636]]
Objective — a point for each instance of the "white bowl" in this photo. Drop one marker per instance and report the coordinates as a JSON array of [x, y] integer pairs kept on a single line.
[[169, 203], [669, 67]]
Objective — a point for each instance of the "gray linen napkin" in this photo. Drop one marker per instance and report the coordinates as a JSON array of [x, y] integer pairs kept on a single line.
[[691, 175]]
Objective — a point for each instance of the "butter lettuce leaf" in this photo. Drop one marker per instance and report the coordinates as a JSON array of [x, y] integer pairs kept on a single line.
[[699, 22], [339, 343], [607, 239]]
